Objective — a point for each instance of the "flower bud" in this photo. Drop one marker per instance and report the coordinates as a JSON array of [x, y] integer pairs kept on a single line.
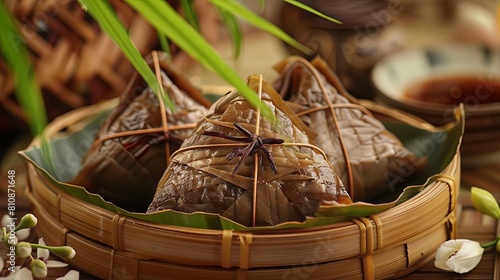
[[27, 221], [10, 239], [458, 255], [38, 268], [485, 202], [63, 251], [23, 249]]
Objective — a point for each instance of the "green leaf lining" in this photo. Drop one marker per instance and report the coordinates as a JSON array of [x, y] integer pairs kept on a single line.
[[69, 150]]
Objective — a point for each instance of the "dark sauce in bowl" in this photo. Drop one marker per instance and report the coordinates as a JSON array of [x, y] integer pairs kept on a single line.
[[454, 90]]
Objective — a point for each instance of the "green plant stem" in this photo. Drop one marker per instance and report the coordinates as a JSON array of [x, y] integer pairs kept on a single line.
[[164, 45], [40, 246], [311, 10], [491, 244]]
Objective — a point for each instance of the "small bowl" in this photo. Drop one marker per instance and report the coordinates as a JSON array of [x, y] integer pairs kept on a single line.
[[394, 75]]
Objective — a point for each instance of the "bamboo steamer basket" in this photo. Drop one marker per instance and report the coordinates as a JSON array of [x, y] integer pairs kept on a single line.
[[385, 245]]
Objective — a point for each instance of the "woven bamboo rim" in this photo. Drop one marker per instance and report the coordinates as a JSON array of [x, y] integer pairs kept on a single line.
[[109, 245]]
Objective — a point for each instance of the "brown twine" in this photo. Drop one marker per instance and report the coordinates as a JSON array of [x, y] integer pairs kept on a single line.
[[227, 240], [59, 209], [369, 235], [162, 105], [256, 158], [368, 267], [362, 235], [342, 106], [378, 228], [111, 263], [245, 242], [366, 246], [145, 131], [452, 227], [165, 128], [117, 232], [450, 182], [65, 232], [331, 108]]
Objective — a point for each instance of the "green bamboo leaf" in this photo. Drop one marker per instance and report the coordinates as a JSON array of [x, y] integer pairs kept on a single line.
[[109, 22], [164, 18], [190, 14], [164, 44], [15, 54], [311, 10], [230, 22], [262, 5], [236, 8]]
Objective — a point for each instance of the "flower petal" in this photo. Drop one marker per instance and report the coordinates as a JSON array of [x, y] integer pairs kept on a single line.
[[42, 253], [71, 275], [445, 251], [20, 274], [23, 233], [466, 258], [5, 220], [458, 255], [54, 263]]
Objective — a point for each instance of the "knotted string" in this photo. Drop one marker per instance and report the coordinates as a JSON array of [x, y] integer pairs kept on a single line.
[[331, 107]]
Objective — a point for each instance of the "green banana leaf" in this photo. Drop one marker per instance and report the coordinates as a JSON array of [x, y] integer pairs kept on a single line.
[[439, 146]]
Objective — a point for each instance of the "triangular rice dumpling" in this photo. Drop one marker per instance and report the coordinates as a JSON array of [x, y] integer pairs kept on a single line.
[[248, 170], [131, 148], [364, 154]]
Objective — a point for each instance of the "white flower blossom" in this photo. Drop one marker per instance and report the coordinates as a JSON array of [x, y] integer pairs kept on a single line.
[[19, 274], [71, 275], [458, 255]]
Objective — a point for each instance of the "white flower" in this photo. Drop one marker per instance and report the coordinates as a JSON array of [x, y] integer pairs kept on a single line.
[[19, 274], [458, 255], [71, 275]]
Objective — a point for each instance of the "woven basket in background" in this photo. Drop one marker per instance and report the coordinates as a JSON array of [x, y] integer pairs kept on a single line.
[[76, 64]]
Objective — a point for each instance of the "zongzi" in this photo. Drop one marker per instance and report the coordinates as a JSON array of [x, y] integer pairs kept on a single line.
[[247, 169], [361, 150], [131, 148]]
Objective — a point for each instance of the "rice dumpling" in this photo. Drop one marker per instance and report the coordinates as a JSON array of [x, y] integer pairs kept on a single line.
[[131, 148], [363, 153], [247, 169]]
